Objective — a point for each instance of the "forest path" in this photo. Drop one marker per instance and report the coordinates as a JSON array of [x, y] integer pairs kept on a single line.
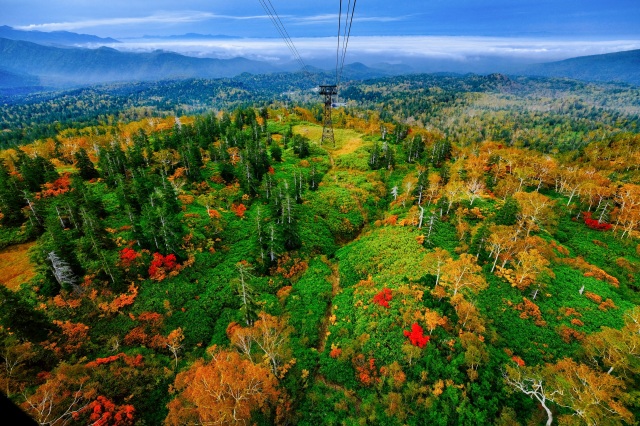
[[334, 278]]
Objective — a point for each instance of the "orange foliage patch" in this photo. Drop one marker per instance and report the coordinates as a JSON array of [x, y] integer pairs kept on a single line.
[[606, 305], [593, 297], [518, 360], [74, 336], [55, 188], [366, 371], [576, 321], [239, 210], [132, 361], [284, 292], [120, 301], [186, 199], [289, 267], [530, 310], [590, 270], [568, 334]]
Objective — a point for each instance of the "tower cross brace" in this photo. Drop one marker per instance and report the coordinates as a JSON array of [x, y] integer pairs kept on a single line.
[[327, 125]]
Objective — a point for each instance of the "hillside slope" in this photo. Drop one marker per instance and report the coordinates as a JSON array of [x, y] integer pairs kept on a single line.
[[618, 67]]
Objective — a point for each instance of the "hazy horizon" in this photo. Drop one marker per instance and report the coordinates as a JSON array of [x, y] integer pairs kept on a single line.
[[460, 33]]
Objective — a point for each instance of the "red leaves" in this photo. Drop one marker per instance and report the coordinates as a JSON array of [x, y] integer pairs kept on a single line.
[[595, 224], [239, 210], [104, 412], [518, 360], [161, 265], [131, 361], [416, 336], [128, 256], [383, 298], [335, 353]]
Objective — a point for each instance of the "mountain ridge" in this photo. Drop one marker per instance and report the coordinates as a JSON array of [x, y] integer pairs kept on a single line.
[[69, 67], [64, 38], [623, 66]]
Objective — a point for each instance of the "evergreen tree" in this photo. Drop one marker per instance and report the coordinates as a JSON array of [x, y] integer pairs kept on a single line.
[[276, 153], [19, 315], [301, 146], [11, 200], [508, 214], [85, 166]]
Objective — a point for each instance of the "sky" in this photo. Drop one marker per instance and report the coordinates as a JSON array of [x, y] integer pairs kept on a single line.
[[391, 31]]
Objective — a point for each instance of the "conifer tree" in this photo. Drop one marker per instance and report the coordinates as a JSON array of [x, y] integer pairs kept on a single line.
[[11, 200], [85, 166]]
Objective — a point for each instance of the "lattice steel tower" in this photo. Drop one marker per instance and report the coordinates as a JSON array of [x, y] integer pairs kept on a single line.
[[327, 130]]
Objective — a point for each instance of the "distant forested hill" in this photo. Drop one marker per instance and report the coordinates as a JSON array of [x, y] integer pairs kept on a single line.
[[618, 66], [457, 104]]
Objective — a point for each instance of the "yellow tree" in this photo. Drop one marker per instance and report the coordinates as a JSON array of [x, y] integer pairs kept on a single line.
[[435, 261], [460, 276], [618, 349], [536, 210], [223, 391], [269, 333], [628, 199], [174, 342], [453, 190], [529, 267], [502, 241], [592, 396]]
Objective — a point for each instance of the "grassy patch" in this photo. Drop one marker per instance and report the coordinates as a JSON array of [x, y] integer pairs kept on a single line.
[[16, 267]]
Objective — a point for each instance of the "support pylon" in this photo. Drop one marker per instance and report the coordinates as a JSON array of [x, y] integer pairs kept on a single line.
[[327, 130]]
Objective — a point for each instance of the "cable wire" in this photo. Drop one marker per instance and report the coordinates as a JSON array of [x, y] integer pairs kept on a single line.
[[345, 37], [277, 22]]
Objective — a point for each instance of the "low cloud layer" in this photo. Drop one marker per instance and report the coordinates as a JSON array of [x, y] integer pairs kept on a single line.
[[388, 49]]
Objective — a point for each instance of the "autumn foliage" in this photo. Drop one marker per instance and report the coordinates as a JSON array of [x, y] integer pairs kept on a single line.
[[105, 413], [239, 210], [161, 266], [55, 188], [595, 224], [224, 390], [366, 370], [416, 336], [132, 361], [128, 256], [383, 298]]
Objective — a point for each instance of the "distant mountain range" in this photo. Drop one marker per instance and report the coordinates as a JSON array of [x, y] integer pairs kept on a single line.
[[68, 67], [618, 67], [64, 38], [34, 61]]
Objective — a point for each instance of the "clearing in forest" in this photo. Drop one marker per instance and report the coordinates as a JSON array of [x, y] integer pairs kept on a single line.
[[16, 267], [347, 140]]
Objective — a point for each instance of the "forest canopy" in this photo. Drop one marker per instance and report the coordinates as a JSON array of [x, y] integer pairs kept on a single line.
[[468, 252]]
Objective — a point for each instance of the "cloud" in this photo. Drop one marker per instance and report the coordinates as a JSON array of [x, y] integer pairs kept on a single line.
[[389, 48], [158, 18], [333, 18]]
